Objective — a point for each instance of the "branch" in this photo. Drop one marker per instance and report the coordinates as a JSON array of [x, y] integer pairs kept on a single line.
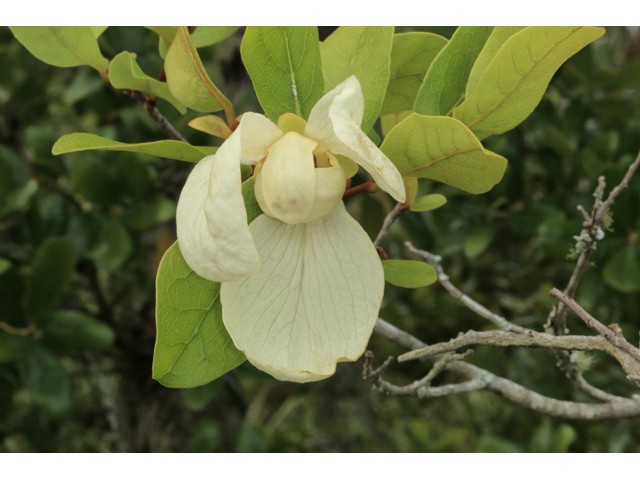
[[152, 110], [516, 393], [616, 340], [497, 338], [388, 221], [420, 388], [436, 262], [366, 187]]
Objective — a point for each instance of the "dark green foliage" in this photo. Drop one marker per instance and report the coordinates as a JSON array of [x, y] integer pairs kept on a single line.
[[81, 235]]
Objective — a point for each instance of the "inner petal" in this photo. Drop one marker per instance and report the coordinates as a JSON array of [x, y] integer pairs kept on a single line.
[[288, 179]]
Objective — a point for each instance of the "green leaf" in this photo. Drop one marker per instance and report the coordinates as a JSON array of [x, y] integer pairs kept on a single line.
[[124, 72], [192, 346], [428, 202], [495, 41], [563, 437], [408, 273], [211, 124], [50, 277], [411, 189], [517, 77], [72, 330], [443, 149], [187, 78], [366, 53], [47, 381], [444, 85], [284, 65], [97, 31], [411, 56], [113, 248], [78, 142], [205, 36], [476, 243], [63, 46], [622, 271], [387, 122], [13, 347], [250, 201], [166, 33]]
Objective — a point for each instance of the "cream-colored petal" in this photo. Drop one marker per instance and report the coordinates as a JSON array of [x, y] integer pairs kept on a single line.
[[313, 303], [330, 185], [335, 123], [257, 133], [211, 218], [288, 178]]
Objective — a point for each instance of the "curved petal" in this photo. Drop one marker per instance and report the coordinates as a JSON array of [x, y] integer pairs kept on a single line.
[[211, 219], [288, 178], [257, 133], [313, 303], [331, 182], [335, 123]]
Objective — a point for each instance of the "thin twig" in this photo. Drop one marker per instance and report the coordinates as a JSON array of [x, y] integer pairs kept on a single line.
[[388, 221], [616, 340], [29, 331], [621, 186], [153, 112], [436, 262], [362, 188]]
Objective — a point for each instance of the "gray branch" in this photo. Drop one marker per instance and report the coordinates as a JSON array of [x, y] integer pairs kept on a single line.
[[514, 392], [436, 262]]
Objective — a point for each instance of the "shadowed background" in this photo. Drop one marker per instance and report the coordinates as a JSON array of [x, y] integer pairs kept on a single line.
[[84, 384]]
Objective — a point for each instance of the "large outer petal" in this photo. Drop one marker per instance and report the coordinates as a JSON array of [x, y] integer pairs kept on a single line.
[[288, 178], [335, 123], [313, 303], [212, 221]]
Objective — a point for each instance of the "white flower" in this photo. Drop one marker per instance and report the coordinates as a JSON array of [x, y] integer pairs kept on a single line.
[[302, 285]]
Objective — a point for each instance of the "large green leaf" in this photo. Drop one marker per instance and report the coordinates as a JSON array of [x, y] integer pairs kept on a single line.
[[77, 142], [63, 46], [50, 277], [408, 273], [495, 41], [124, 72], [366, 53], [187, 78], [205, 36], [411, 56], [443, 149], [284, 65], [192, 346], [517, 77], [73, 330], [444, 85]]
